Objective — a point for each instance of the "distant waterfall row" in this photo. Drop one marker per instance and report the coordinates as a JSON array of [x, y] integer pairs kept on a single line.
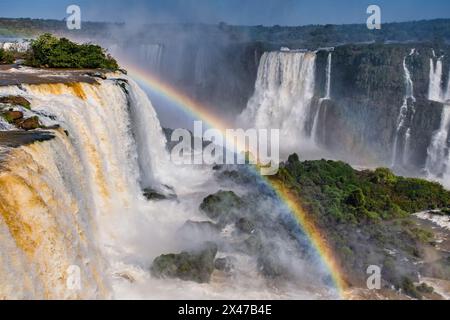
[[438, 159]]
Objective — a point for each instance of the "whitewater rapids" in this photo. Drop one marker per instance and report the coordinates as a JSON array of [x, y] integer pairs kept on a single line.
[[77, 201]]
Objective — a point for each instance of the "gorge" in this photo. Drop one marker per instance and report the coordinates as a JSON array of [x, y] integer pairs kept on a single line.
[[90, 185]]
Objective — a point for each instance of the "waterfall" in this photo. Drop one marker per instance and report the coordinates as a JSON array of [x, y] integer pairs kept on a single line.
[[4, 125], [328, 78], [151, 55], [201, 66], [283, 92], [438, 160], [321, 111], [435, 83], [75, 201], [437, 165], [447, 92], [406, 114]]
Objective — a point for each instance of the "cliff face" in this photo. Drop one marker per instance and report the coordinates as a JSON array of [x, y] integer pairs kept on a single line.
[[222, 76], [368, 90], [378, 110]]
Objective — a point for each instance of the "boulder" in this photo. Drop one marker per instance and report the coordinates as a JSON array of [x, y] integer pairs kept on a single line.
[[11, 116], [253, 244], [153, 194], [16, 100], [224, 264], [195, 265], [269, 265], [245, 226], [29, 123], [220, 206]]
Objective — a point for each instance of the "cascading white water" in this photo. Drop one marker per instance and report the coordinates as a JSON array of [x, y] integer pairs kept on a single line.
[[201, 66], [316, 129], [435, 91], [75, 204], [76, 197], [403, 130], [438, 160], [282, 98], [328, 77], [4, 125], [151, 55]]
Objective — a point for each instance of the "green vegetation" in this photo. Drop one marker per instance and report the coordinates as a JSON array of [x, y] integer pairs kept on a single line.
[[366, 216], [52, 52], [310, 36], [336, 191], [6, 57]]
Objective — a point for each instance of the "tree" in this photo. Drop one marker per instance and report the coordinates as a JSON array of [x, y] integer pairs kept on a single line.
[[50, 51]]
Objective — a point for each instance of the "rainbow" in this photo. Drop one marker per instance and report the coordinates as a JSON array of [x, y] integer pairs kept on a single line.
[[200, 111]]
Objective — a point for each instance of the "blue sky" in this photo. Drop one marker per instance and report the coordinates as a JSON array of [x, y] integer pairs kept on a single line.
[[243, 12]]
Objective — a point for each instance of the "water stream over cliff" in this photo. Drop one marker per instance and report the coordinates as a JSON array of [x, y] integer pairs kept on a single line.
[[400, 150], [318, 130], [282, 99], [435, 86], [75, 204]]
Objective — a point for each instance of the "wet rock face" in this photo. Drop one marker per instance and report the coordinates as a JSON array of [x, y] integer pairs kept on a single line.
[[11, 116], [17, 118], [367, 91], [244, 225], [224, 264], [156, 195], [222, 206], [31, 123], [16, 101], [195, 265]]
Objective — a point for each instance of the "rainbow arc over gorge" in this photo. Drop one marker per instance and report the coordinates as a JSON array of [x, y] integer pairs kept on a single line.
[[200, 111]]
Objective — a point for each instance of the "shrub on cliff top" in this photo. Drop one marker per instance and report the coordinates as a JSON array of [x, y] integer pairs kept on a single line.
[[52, 52], [6, 57]]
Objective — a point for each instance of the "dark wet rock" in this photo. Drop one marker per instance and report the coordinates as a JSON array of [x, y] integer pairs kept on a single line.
[[53, 127], [152, 194], [16, 100], [18, 138], [244, 225], [224, 264], [222, 206], [270, 266], [424, 288], [96, 74], [253, 244], [123, 83], [293, 158], [27, 124], [17, 118], [11, 116], [237, 176], [195, 265]]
